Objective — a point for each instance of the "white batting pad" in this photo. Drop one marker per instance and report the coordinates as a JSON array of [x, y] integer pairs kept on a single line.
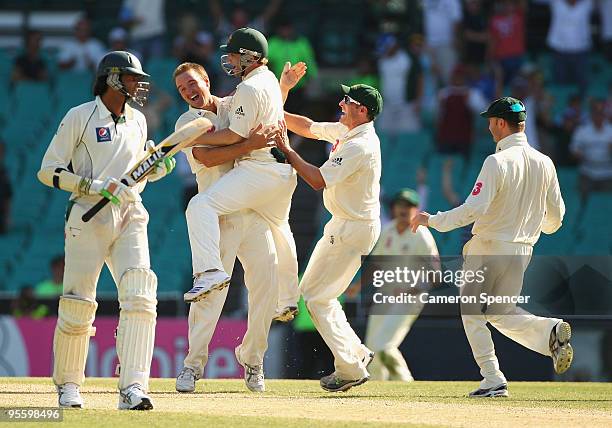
[[136, 331], [71, 339]]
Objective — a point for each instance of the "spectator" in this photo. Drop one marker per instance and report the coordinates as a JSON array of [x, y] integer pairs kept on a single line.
[[520, 90], [6, 195], [118, 41], [507, 37], [569, 36], [475, 36], [146, 20], [53, 286], [287, 46], [365, 73], [605, 11], [457, 105], [197, 46], [400, 114], [487, 80], [592, 147], [240, 18], [26, 305], [441, 20], [83, 53], [30, 65], [567, 123]]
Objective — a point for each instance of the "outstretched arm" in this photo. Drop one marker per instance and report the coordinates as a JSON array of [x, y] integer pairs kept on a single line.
[[310, 173], [214, 156]]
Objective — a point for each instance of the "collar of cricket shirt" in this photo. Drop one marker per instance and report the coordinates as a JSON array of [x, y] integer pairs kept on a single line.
[[516, 139], [128, 112], [364, 127], [258, 70]]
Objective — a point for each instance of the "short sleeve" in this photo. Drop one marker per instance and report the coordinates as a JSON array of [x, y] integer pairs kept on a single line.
[[184, 119], [244, 111], [328, 131], [343, 164]]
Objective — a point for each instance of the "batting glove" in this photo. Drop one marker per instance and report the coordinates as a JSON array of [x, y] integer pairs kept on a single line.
[[163, 167], [111, 188]]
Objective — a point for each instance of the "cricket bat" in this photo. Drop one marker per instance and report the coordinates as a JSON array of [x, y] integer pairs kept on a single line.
[[171, 145]]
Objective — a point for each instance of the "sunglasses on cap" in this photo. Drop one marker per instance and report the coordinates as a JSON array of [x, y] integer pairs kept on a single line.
[[349, 100]]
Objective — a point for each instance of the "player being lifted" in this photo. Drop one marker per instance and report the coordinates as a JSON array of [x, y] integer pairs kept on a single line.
[[515, 198], [260, 180], [244, 234], [97, 143], [350, 178]]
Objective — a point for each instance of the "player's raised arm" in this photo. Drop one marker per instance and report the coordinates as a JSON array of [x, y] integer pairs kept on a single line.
[[290, 77]]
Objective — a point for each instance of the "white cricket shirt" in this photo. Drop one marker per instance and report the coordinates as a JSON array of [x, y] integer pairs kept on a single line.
[[206, 176], [393, 243], [516, 196], [352, 172], [96, 146], [257, 100]]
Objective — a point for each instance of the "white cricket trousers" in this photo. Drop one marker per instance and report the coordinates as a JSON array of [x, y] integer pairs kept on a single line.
[[117, 236], [244, 234], [384, 334], [505, 263], [265, 187], [332, 265]]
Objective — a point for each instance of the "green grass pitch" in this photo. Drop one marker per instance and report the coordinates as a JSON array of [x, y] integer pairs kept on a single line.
[[293, 403]]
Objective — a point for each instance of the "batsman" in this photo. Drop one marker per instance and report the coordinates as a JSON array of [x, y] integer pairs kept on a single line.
[[96, 143]]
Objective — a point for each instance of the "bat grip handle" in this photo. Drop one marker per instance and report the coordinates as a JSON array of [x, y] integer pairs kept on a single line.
[[98, 206], [95, 209]]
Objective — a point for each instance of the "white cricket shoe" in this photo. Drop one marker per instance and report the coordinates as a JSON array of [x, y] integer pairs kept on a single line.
[[186, 380], [69, 396], [134, 398], [253, 375], [561, 351], [206, 282], [496, 391]]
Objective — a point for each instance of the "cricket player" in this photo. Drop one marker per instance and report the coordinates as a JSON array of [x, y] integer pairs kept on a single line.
[[244, 234], [95, 145], [516, 197], [262, 180], [350, 178], [386, 332]]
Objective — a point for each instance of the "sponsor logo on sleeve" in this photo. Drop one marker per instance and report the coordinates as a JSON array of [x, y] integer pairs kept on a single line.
[[335, 146], [336, 161], [103, 134], [239, 111], [477, 188]]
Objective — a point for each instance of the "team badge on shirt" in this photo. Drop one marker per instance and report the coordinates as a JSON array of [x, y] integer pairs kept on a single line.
[[239, 111], [103, 134], [477, 188]]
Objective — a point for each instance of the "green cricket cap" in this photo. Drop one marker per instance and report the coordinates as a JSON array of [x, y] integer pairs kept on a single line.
[[511, 109], [365, 95], [248, 39], [407, 195]]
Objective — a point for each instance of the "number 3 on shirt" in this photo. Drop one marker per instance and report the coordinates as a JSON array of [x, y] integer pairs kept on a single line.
[[477, 188]]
